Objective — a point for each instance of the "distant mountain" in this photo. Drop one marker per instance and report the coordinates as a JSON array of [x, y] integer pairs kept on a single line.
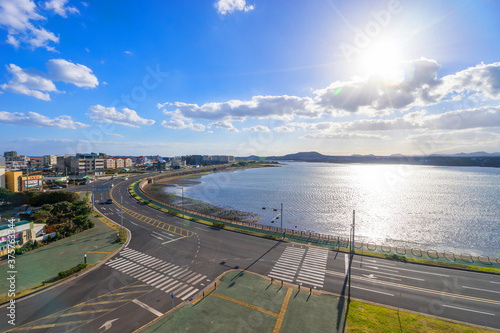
[[461, 159]]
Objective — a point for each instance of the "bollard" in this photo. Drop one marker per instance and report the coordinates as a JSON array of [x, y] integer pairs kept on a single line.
[[203, 295], [271, 280], [310, 290], [299, 287], [282, 283]]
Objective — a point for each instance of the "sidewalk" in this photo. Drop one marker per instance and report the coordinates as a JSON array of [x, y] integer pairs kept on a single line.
[[46, 262], [246, 302]]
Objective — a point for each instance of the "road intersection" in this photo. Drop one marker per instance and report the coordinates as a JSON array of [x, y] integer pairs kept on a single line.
[[170, 260]]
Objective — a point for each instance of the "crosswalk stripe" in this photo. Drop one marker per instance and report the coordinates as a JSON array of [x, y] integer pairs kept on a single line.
[[164, 283], [185, 291], [152, 277], [172, 286], [140, 276], [199, 280], [189, 294], [115, 262], [132, 267], [194, 278], [120, 265], [166, 267], [159, 281], [190, 275], [136, 270], [179, 289], [174, 270], [153, 280], [179, 272], [183, 275], [312, 277]]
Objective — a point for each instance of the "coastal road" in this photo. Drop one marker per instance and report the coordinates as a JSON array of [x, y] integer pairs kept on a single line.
[[171, 257]]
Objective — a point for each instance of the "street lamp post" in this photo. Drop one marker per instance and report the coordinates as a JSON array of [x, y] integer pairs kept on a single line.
[[281, 218], [121, 207]]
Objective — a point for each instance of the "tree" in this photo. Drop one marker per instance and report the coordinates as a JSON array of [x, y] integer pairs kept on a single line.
[[80, 207], [42, 216]]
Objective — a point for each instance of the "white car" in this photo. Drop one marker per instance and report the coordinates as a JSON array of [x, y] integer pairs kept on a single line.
[[126, 178]]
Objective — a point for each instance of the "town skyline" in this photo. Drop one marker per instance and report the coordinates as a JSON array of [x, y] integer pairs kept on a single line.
[[249, 78]]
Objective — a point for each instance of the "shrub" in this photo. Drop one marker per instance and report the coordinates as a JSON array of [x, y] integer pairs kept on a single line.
[[219, 225], [273, 237], [395, 257], [71, 271]]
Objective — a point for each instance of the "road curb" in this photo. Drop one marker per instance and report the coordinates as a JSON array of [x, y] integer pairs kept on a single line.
[[76, 275]]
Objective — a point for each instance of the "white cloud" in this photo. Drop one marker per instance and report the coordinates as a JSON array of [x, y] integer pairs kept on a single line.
[[127, 117], [18, 17], [258, 128], [453, 120], [36, 84], [375, 93], [59, 7], [345, 136], [224, 125], [114, 134], [178, 121], [127, 52], [38, 120], [28, 83], [482, 78], [279, 107], [284, 129], [228, 6], [77, 74]]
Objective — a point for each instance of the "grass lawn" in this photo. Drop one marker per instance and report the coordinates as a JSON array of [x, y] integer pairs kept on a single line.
[[364, 317]]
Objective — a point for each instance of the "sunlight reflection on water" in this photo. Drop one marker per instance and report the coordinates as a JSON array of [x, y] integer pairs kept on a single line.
[[443, 208]]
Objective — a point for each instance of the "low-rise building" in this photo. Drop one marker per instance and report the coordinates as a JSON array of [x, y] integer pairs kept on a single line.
[[13, 180], [15, 234], [81, 164], [50, 160]]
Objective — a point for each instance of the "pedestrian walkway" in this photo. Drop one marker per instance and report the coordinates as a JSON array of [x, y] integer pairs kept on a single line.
[[302, 266], [172, 279], [44, 263], [246, 302]]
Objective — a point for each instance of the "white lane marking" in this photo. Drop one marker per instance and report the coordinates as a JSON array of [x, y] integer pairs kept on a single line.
[[494, 282], [173, 240], [374, 291], [147, 307], [384, 273], [456, 307], [202, 229], [133, 223], [412, 270], [490, 291], [157, 237], [385, 269]]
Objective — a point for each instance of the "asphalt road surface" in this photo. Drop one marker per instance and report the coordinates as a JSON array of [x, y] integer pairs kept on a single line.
[[170, 260]]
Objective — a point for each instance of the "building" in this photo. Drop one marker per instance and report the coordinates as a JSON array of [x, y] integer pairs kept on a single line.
[[36, 162], [109, 163], [13, 180], [81, 164], [50, 160], [120, 164], [23, 231], [2, 176], [9, 155]]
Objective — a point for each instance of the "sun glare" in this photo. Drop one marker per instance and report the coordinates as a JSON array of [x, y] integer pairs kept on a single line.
[[383, 59]]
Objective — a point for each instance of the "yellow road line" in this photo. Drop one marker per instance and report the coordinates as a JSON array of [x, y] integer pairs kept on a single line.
[[251, 306], [151, 221], [425, 290], [83, 312], [281, 316], [107, 302]]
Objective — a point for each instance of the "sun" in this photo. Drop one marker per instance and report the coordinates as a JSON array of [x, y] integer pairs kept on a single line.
[[382, 58]]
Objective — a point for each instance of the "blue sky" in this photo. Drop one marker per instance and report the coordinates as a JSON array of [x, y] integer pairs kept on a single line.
[[249, 77]]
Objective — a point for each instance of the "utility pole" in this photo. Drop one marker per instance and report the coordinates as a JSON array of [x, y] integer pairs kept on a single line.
[[121, 207], [282, 235], [92, 198]]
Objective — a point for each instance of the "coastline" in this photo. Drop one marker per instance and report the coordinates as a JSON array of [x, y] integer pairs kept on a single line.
[[157, 190]]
